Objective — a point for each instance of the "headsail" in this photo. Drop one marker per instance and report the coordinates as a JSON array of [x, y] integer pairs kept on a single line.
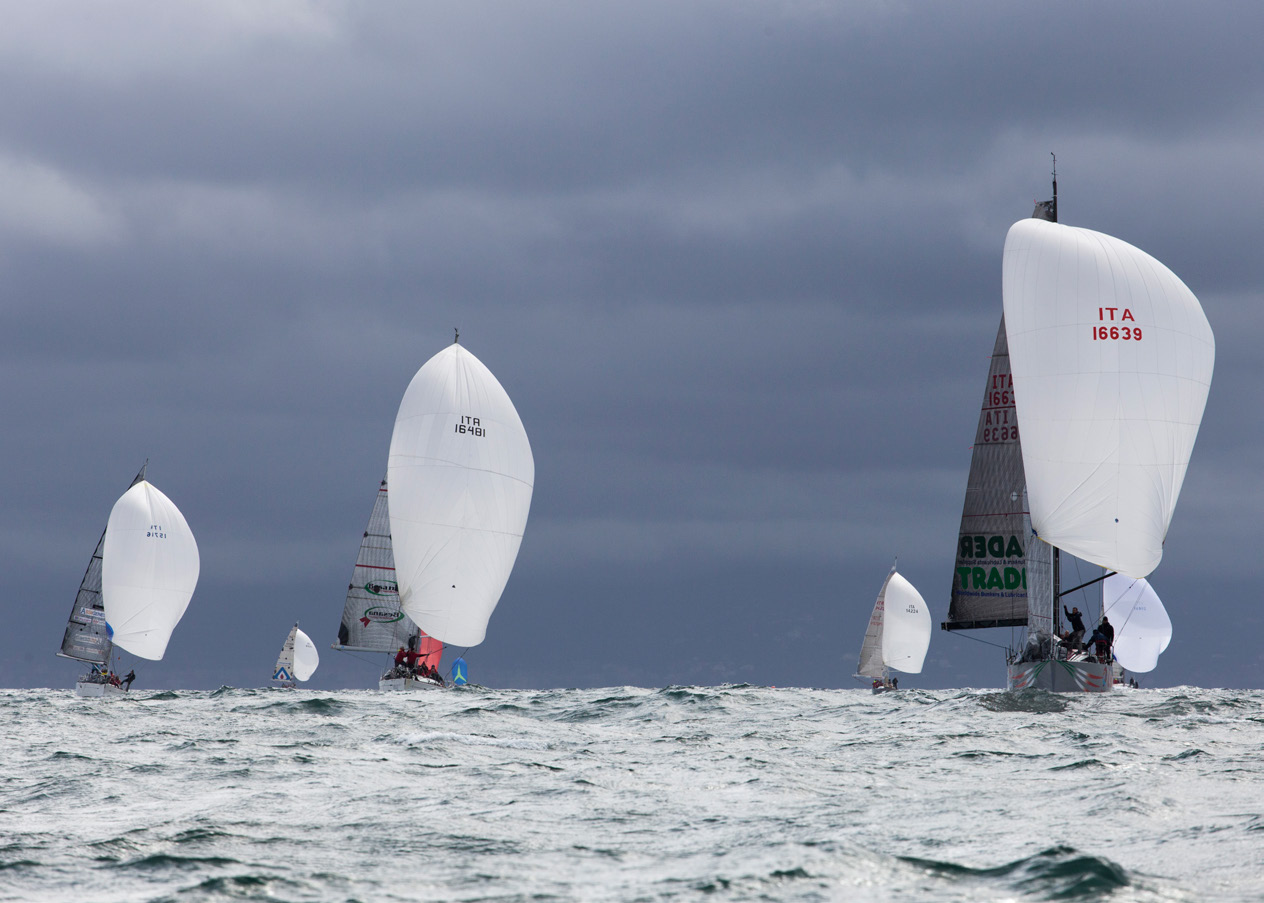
[[1142, 626], [461, 475], [1112, 360], [989, 587], [149, 570], [430, 652], [372, 620], [86, 638]]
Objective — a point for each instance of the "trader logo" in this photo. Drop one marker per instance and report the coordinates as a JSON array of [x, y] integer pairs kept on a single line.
[[381, 615]]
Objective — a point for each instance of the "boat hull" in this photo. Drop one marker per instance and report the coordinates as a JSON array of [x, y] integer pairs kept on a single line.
[[92, 688], [1061, 677], [408, 683]]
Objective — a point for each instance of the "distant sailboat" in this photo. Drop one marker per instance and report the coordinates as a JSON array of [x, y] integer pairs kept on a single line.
[[1142, 626], [298, 659], [86, 638], [461, 474], [1104, 360], [372, 620], [898, 634]]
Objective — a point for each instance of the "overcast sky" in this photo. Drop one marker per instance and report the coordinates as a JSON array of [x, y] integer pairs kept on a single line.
[[737, 264]]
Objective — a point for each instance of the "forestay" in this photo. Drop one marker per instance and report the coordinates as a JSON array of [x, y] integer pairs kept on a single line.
[[1112, 360], [461, 475], [149, 570], [1142, 626]]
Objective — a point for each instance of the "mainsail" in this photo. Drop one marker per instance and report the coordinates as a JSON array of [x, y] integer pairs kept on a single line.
[[86, 638], [149, 570], [1142, 626], [899, 630], [1112, 360], [461, 475], [989, 587], [372, 620]]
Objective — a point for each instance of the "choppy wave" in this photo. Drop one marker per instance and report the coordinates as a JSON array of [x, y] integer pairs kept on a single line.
[[624, 793]]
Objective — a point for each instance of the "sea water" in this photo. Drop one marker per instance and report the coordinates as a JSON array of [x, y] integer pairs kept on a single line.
[[627, 794]]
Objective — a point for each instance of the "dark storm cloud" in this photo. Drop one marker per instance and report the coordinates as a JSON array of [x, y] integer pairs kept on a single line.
[[738, 265]]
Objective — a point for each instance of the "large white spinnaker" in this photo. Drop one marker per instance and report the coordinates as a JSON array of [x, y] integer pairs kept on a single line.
[[149, 569], [1112, 360], [1142, 627], [899, 630], [461, 475]]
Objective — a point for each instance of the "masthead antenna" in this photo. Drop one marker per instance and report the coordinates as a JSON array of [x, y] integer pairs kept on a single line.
[[1055, 185], [457, 339]]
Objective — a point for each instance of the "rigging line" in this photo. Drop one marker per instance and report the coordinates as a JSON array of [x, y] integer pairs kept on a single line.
[[966, 636]]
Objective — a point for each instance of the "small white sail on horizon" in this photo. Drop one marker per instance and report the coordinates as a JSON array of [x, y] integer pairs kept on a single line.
[[1142, 626], [1112, 359], [298, 659], [899, 630], [149, 569], [461, 475]]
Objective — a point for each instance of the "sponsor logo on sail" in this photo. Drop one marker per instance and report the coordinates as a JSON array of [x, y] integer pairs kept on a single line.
[[382, 588], [381, 615]]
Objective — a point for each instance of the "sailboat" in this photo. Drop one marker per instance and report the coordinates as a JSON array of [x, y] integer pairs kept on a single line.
[[86, 639], [461, 474], [1142, 626], [1104, 360], [297, 661], [372, 620], [898, 633]]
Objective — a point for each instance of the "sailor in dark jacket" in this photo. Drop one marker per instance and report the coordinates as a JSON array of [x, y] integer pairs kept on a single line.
[[1076, 635], [1107, 631]]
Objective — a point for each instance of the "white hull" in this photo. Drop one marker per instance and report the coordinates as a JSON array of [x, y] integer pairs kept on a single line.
[[408, 683], [1061, 677], [90, 688]]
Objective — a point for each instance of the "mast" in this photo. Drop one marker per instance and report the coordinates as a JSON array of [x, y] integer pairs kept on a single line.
[[1048, 210]]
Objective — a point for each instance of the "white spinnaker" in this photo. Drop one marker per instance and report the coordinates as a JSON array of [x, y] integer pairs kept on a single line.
[[906, 633], [1142, 627], [1108, 423], [461, 475], [306, 658], [149, 569]]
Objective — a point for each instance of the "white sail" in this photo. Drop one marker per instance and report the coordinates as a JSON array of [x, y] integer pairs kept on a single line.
[[899, 630], [1112, 360], [906, 635], [306, 658], [461, 475], [149, 570], [1142, 627], [298, 658], [871, 647]]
